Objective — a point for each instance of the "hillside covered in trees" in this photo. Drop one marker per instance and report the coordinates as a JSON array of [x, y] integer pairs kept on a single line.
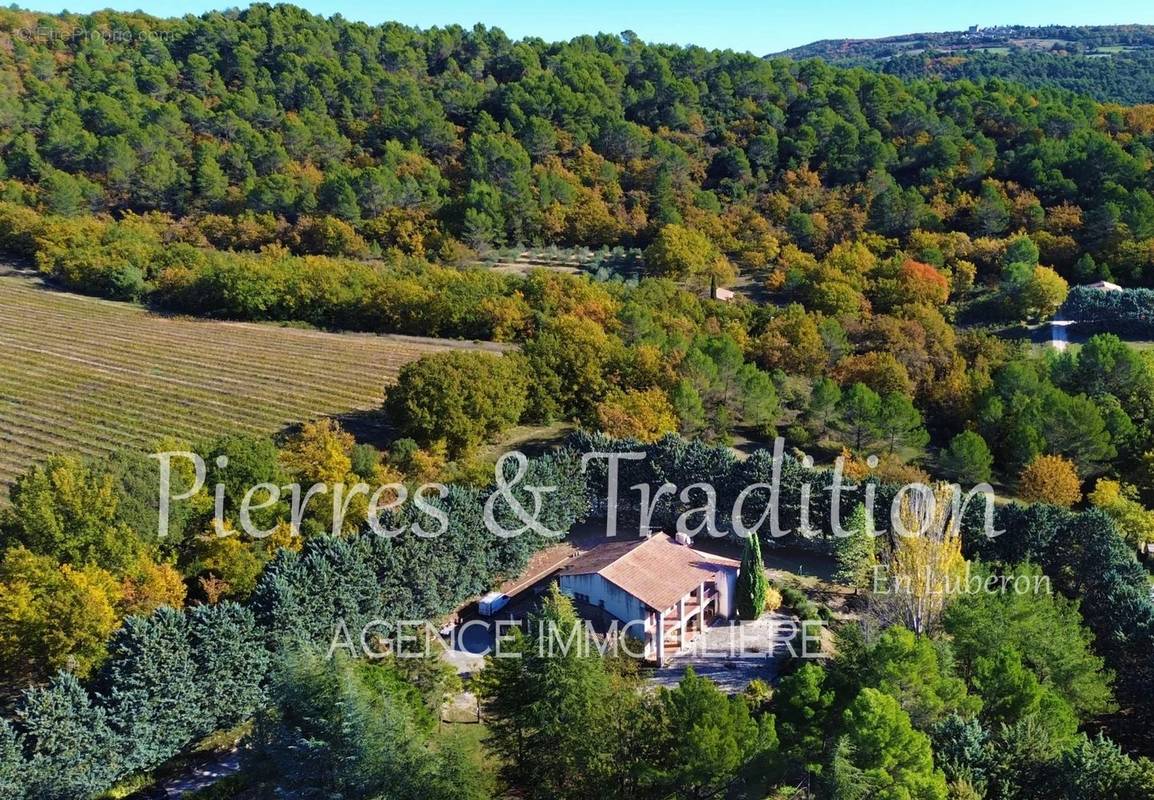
[[887, 239], [268, 164], [415, 138], [1058, 38], [1126, 77], [1111, 63]]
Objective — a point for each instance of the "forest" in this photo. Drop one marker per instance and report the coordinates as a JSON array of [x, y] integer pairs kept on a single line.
[[894, 244], [1121, 78], [295, 129]]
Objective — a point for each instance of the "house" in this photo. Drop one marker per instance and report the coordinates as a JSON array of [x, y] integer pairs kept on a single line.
[[715, 292], [1104, 286], [658, 587]]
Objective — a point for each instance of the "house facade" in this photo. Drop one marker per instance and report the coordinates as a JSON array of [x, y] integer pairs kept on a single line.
[[658, 588]]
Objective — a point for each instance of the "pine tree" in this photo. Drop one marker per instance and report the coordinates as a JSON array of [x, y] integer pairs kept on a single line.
[[804, 705], [13, 770], [706, 738], [232, 661], [900, 423], [74, 752], [882, 756], [347, 728], [151, 690], [752, 586], [559, 716], [860, 410]]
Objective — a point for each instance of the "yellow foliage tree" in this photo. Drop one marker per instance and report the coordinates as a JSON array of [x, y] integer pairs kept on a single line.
[[229, 566], [509, 317], [320, 453], [882, 372], [684, 254], [1120, 501], [1045, 292], [642, 414], [1050, 479], [53, 616], [428, 464], [792, 342], [924, 563], [889, 469], [149, 585]]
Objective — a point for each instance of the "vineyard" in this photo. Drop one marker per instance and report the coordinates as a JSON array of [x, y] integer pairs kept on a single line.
[[88, 376]]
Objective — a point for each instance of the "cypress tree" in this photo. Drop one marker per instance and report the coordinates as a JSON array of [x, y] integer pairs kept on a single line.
[[855, 551], [752, 586]]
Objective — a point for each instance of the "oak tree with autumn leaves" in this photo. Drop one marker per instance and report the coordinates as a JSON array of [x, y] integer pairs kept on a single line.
[[1050, 479]]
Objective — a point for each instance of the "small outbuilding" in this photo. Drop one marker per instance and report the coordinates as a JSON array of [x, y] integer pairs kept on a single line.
[[1104, 286]]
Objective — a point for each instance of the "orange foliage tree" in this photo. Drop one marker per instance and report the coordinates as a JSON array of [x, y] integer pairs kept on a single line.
[[921, 283]]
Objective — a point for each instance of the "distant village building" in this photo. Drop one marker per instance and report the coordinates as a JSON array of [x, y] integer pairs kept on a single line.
[[659, 586], [716, 292]]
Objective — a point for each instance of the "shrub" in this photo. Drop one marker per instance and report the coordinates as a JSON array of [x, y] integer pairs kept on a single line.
[[772, 600], [802, 606], [19, 227]]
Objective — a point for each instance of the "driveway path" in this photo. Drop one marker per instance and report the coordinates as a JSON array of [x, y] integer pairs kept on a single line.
[[1059, 338], [219, 766]]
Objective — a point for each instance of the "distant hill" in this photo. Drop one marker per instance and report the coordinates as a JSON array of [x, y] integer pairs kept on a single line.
[[1112, 63], [1059, 39]]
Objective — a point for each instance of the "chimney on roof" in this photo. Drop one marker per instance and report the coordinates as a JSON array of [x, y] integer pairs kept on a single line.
[[683, 538]]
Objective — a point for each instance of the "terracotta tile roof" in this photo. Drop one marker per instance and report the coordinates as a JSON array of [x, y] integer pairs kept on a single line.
[[542, 564], [657, 571]]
